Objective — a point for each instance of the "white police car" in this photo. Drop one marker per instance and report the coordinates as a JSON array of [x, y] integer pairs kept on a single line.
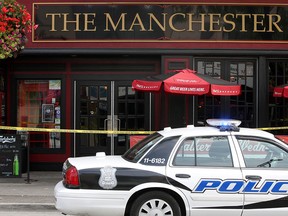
[[193, 171]]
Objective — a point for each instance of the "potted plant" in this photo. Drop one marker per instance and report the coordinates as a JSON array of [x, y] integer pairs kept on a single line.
[[15, 23]]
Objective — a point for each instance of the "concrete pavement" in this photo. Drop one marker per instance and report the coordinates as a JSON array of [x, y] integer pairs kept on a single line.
[[34, 192]]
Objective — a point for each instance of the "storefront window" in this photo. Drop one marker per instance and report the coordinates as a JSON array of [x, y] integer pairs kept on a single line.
[[278, 106], [241, 107], [38, 106]]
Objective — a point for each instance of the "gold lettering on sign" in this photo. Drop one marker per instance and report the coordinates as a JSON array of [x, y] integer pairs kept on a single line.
[[161, 26], [90, 21], [274, 19], [258, 23], [201, 22], [215, 22], [227, 19], [137, 22], [178, 22], [171, 22], [53, 28], [243, 21], [110, 21], [66, 21]]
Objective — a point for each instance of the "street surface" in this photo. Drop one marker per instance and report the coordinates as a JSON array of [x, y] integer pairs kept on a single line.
[[30, 214], [28, 210], [19, 197]]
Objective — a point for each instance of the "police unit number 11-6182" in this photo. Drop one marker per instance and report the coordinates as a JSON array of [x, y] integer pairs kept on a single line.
[[154, 160]]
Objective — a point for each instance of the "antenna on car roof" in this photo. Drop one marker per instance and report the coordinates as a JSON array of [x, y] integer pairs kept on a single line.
[[200, 123]]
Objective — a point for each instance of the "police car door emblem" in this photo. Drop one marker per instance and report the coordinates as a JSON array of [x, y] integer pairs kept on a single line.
[[108, 178]]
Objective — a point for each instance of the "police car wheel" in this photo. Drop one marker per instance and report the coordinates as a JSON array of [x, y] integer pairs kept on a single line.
[[155, 203]]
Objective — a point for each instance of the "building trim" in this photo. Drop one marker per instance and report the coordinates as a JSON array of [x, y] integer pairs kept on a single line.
[[77, 51]]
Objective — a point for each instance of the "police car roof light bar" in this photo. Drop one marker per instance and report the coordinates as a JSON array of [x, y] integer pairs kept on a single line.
[[229, 128], [224, 124]]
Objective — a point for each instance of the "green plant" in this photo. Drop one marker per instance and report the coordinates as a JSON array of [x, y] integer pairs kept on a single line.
[[15, 23]]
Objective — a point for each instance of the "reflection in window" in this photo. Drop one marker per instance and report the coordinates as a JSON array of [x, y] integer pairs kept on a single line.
[[262, 154], [38, 106], [204, 151]]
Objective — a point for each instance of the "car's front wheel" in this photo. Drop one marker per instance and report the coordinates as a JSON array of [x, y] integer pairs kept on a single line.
[[155, 203]]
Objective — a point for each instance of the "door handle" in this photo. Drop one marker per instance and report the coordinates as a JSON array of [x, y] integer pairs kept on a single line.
[[105, 124], [183, 176], [119, 124], [253, 177]]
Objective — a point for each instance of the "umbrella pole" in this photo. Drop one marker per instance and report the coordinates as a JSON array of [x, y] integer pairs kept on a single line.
[[164, 109], [150, 111], [193, 110]]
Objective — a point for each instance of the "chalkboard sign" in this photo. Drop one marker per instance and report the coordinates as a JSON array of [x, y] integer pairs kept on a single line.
[[10, 156]]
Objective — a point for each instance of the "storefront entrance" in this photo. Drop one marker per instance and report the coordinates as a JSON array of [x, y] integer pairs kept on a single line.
[[107, 105]]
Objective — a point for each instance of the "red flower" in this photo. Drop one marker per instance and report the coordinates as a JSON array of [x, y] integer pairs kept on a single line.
[[2, 29], [11, 10], [5, 10]]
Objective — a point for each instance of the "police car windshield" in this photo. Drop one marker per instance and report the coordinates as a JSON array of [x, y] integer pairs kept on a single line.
[[137, 151]]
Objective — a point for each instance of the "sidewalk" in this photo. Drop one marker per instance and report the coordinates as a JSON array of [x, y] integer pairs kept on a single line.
[[39, 191]]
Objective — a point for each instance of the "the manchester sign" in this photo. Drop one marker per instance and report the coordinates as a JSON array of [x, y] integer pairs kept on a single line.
[[86, 22]]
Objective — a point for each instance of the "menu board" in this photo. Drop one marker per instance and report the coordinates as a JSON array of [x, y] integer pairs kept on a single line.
[[10, 156]]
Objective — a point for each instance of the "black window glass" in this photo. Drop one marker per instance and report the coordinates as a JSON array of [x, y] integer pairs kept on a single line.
[[159, 155]]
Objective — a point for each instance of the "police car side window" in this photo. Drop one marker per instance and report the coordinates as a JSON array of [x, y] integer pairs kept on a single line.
[[262, 153], [211, 151], [159, 154], [186, 154]]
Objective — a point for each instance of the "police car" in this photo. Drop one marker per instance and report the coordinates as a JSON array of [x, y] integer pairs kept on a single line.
[[220, 169]]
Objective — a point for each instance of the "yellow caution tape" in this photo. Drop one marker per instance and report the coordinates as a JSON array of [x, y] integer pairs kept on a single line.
[[51, 130], [274, 128]]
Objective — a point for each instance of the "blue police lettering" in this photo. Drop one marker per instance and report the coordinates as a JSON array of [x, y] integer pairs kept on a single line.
[[209, 184], [250, 187], [230, 186], [267, 185], [279, 186], [242, 186]]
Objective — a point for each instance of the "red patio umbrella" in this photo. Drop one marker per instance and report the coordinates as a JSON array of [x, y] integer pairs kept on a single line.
[[187, 82], [281, 91]]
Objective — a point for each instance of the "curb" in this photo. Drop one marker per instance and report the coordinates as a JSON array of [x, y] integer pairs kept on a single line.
[[27, 207]]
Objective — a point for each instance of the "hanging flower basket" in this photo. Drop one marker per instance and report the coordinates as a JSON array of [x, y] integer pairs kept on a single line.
[[15, 23]]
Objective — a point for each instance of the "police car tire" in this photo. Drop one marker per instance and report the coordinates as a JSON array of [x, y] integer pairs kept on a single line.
[[153, 196]]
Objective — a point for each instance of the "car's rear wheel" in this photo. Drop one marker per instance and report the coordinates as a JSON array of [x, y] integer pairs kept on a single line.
[[155, 203]]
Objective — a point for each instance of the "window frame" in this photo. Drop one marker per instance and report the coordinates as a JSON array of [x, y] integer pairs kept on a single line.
[[49, 135]]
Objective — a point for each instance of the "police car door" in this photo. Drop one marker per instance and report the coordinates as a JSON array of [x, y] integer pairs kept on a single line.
[[209, 170], [266, 172]]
